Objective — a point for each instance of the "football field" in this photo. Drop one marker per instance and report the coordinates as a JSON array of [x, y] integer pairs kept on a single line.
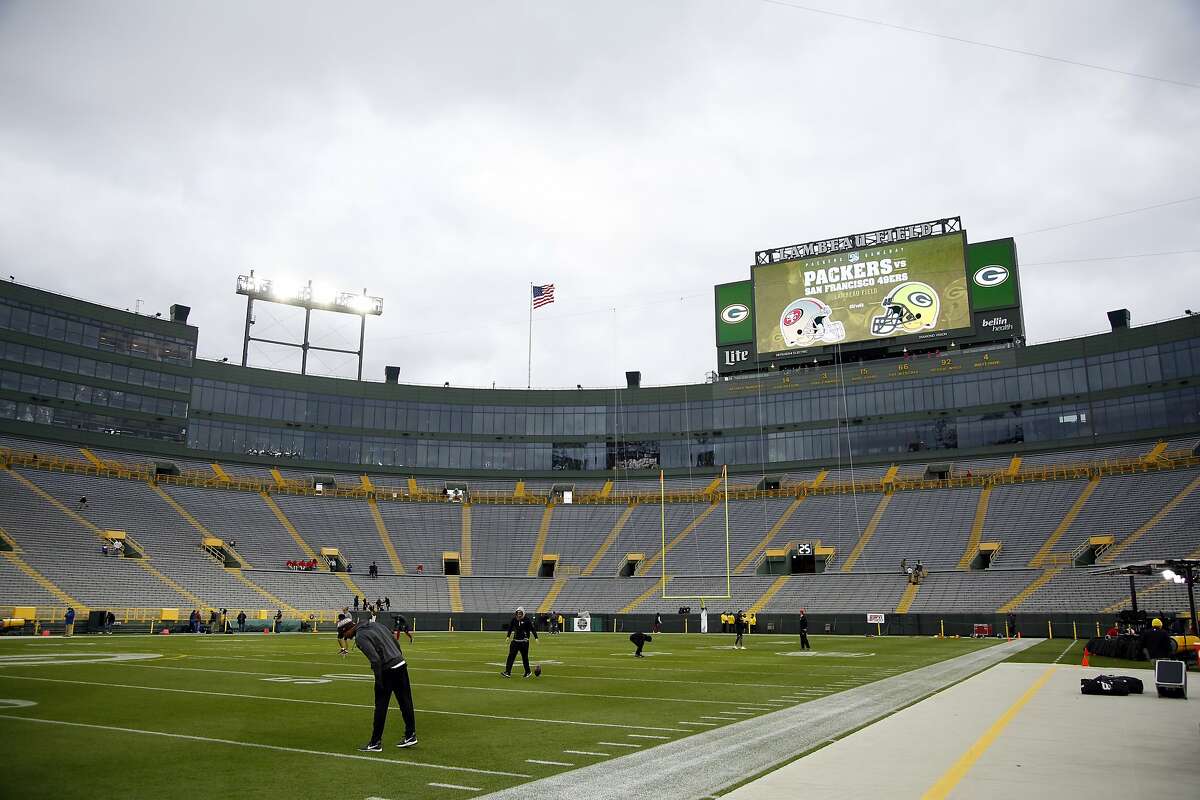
[[268, 716]]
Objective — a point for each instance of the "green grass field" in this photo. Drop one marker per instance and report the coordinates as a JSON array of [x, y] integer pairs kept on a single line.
[[280, 716]]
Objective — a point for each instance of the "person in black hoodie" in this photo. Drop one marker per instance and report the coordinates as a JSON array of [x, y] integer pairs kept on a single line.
[[804, 645], [391, 678], [519, 631]]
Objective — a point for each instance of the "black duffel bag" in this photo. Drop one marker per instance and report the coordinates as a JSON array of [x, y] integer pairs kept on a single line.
[[1116, 685]]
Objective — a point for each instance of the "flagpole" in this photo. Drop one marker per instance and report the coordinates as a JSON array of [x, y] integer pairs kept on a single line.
[[529, 364]]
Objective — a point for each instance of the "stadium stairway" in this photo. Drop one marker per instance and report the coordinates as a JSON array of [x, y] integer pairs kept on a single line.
[[303, 545], [906, 599], [275, 602], [867, 534], [654, 589], [976, 531], [1034, 585], [143, 562], [384, 536], [771, 591], [539, 546], [454, 586], [752, 557], [464, 546], [196, 602], [42, 581], [1116, 549], [291, 529], [645, 567], [1046, 549], [608, 541], [547, 603]]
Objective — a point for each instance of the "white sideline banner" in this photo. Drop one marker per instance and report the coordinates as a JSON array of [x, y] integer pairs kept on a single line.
[[583, 623], [875, 619]]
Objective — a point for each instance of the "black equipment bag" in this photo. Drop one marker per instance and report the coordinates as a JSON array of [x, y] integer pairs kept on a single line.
[[1103, 684]]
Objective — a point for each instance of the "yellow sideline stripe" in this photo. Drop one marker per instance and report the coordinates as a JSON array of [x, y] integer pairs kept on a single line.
[[959, 770], [766, 540]]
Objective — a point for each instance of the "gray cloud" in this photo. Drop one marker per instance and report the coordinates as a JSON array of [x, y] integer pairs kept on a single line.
[[446, 155]]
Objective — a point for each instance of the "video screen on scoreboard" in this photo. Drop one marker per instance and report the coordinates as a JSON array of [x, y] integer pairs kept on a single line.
[[875, 294]]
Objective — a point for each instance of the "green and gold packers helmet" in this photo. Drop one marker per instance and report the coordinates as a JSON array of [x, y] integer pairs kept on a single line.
[[909, 308]]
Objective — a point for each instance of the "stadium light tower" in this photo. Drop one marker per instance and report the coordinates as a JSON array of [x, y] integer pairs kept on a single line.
[[309, 298]]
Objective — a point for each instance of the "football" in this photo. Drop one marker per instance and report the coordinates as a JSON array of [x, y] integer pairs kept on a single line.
[[537, 670]]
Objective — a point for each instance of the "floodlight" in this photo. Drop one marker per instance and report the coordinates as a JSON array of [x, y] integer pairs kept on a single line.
[[1168, 574]]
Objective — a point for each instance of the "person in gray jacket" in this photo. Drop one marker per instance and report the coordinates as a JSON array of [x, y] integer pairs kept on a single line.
[[391, 678]]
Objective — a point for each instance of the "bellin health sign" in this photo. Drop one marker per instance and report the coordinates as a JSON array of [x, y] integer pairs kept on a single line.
[[902, 290]]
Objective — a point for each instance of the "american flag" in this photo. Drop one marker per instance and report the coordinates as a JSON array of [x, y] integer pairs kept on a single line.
[[543, 295]]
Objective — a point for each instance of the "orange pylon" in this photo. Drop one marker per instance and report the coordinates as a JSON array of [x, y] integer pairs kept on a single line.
[[1085, 658]]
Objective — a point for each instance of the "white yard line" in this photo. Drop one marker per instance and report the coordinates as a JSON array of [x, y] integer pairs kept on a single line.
[[723, 719], [453, 786], [584, 753], [333, 703], [646, 736], [417, 666], [618, 744], [257, 745], [549, 763], [705, 724], [460, 687], [1064, 652]]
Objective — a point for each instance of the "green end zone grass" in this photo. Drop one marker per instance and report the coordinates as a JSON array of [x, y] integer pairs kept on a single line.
[[257, 716], [1066, 651]]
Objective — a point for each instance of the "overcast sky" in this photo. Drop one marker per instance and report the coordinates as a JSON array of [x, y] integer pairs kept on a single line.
[[447, 154]]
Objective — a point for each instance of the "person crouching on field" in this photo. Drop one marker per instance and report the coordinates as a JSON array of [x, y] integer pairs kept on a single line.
[[391, 678], [639, 639], [519, 631]]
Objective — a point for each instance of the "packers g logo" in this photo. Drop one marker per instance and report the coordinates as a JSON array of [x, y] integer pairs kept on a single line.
[[735, 313], [991, 275]]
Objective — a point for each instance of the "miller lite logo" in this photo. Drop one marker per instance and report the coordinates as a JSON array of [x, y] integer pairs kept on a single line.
[[735, 356]]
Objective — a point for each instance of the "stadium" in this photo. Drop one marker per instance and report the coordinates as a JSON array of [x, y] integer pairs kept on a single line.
[[952, 508], [674, 400]]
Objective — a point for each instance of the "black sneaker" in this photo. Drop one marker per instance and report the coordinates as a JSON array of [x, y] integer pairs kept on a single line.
[[528, 674], [409, 741], [371, 747], [505, 675]]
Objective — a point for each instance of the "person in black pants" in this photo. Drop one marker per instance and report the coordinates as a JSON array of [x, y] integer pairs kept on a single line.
[[804, 645], [739, 627], [639, 639], [519, 631], [391, 679]]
